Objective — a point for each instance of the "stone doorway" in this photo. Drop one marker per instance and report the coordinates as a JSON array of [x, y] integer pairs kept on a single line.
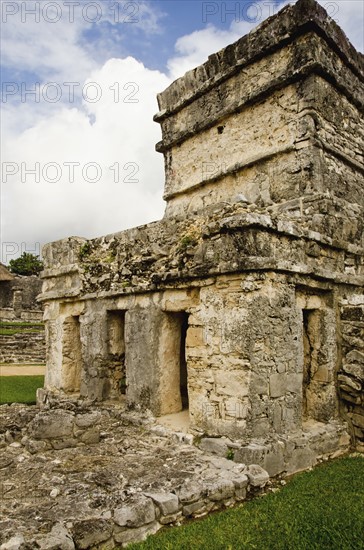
[[319, 350], [311, 342], [183, 322], [173, 363], [71, 355], [116, 353]]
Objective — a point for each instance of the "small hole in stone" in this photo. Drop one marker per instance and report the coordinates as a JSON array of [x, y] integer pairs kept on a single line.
[[220, 129]]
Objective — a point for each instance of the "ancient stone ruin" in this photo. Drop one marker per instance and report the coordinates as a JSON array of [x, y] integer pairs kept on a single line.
[[245, 304], [21, 316]]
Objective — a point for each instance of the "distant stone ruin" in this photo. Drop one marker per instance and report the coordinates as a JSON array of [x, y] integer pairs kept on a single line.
[[245, 303], [22, 337]]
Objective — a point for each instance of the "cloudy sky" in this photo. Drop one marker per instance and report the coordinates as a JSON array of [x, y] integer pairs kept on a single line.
[[79, 85]]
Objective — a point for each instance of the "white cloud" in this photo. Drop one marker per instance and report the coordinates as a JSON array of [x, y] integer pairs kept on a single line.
[[122, 135], [51, 51], [80, 38]]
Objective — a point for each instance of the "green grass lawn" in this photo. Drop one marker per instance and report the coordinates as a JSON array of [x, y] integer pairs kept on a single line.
[[9, 328], [19, 389], [318, 510]]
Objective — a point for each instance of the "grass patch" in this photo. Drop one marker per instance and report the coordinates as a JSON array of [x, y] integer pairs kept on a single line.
[[318, 510], [19, 389], [8, 328]]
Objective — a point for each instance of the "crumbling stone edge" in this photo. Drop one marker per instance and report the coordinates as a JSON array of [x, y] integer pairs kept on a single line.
[[147, 512]]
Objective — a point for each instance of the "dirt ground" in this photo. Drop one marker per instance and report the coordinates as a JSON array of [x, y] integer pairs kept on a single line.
[[21, 370]]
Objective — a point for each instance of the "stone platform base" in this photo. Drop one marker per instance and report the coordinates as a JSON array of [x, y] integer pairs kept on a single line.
[[288, 454], [74, 475]]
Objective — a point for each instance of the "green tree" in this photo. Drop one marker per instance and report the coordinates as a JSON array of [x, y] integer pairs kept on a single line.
[[26, 264]]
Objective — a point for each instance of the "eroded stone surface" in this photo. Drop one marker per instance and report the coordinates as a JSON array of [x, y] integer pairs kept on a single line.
[[133, 481], [118, 490]]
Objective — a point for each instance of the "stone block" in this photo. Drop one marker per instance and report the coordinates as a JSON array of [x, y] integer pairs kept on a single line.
[[170, 518], [257, 476], [215, 445], [277, 385], [222, 463], [58, 539], [358, 419], [166, 502], [274, 459], [325, 445], [195, 337], [190, 492], [135, 513], [232, 383], [90, 532], [136, 535], [52, 424], [355, 356], [261, 427], [358, 433], [220, 489], [354, 369], [277, 416], [250, 454], [15, 543], [91, 436], [301, 459], [294, 383], [259, 384], [240, 481], [323, 374], [349, 382], [197, 509], [345, 396], [64, 443], [34, 447], [88, 419]]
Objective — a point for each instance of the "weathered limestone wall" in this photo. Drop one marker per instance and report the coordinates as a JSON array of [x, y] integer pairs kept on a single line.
[[298, 144], [245, 352], [248, 368], [351, 374]]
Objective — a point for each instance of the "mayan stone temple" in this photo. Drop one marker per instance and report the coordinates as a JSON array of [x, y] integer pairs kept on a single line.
[[244, 305]]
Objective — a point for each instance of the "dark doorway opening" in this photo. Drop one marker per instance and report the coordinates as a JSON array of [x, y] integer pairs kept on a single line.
[[307, 360], [183, 361], [71, 355], [116, 351]]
